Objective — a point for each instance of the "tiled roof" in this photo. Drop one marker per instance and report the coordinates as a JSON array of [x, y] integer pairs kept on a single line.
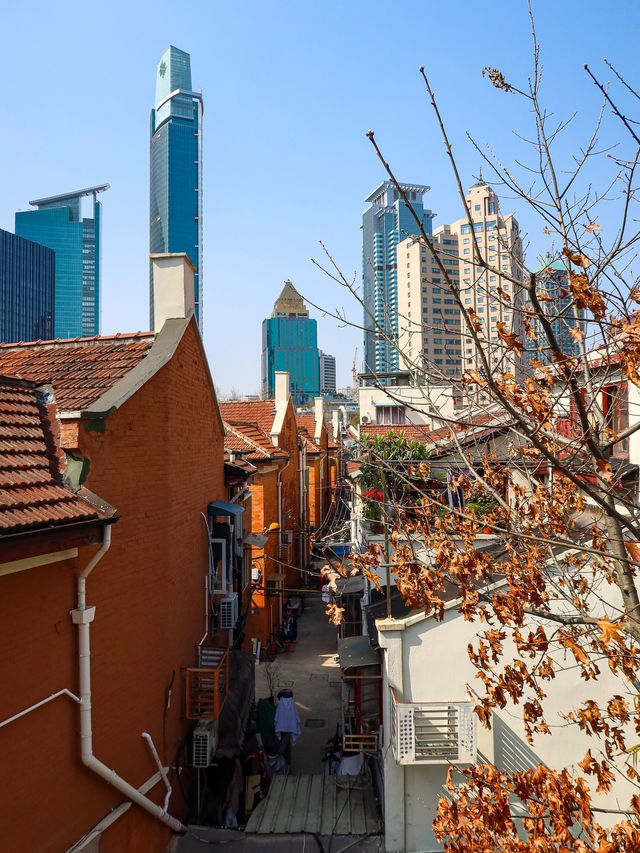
[[32, 496], [472, 428], [251, 441], [412, 432], [81, 370], [312, 447], [261, 412]]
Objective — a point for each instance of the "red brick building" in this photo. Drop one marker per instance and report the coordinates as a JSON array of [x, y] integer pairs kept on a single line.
[[140, 425]]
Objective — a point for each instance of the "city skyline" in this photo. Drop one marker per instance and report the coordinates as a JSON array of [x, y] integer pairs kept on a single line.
[[265, 126]]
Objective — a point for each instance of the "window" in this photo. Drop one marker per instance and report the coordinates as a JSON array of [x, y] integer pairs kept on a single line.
[[491, 207], [492, 278], [465, 229], [615, 408], [491, 225], [466, 251], [436, 301], [437, 351], [476, 207], [448, 242], [466, 240], [449, 302], [390, 415]]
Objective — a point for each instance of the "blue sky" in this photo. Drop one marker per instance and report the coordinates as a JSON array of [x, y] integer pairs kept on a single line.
[[290, 88]]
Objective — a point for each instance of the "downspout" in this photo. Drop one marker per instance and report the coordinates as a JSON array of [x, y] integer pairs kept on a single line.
[[83, 616], [302, 508]]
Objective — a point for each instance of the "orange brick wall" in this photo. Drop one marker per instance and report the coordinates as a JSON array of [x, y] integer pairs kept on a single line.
[[159, 462]]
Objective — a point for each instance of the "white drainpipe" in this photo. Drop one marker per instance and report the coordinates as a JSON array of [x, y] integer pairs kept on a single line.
[[83, 616]]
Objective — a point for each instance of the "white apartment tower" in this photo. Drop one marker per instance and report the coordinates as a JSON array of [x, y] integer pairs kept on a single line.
[[433, 336], [429, 330]]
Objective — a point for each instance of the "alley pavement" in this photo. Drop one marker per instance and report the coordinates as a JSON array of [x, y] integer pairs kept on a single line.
[[312, 673]]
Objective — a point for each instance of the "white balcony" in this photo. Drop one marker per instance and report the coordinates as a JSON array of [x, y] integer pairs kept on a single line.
[[433, 732]]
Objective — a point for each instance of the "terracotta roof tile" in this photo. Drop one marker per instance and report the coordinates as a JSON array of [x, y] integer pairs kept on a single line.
[[31, 492], [251, 441], [80, 369], [261, 412]]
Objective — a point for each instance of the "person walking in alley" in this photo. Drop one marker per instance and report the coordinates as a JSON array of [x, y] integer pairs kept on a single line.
[[287, 723]]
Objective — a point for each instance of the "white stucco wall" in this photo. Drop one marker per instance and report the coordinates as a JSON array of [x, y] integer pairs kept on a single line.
[[435, 667], [422, 400]]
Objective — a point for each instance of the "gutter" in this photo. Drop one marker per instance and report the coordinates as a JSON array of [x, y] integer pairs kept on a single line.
[[83, 616]]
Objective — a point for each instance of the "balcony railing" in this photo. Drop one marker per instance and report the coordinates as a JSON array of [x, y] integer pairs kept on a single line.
[[433, 732], [207, 685]]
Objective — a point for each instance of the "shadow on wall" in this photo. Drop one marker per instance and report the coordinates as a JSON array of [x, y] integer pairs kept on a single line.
[[510, 752]]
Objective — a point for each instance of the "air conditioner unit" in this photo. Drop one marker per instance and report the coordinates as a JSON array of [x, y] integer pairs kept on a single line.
[[204, 744], [228, 611]]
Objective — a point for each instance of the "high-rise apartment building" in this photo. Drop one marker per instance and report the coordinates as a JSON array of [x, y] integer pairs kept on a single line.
[[428, 315], [27, 289], [433, 339], [290, 343], [58, 223], [497, 242], [386, 222], [327, 367], [175, 209]]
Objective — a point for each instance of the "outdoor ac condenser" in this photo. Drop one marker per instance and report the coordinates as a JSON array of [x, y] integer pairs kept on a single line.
[[228, 611], [205, 743]]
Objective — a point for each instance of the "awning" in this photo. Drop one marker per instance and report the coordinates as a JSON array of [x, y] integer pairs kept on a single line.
[[350, 586], [225, 508], [354, 652]]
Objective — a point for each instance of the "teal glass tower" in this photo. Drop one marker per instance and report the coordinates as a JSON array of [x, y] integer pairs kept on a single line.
[[385, 223], [290, 342], [27, 288], [175, 205], [58, 224]]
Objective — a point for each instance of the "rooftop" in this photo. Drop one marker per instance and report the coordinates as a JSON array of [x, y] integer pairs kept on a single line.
[[99, 188], [250, 441], [32, 494], [80, 369], [260, 412], [290, 302]]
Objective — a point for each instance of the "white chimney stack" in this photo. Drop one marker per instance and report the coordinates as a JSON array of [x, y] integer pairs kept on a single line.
[[173, 287], [318, 407], [282, 387]]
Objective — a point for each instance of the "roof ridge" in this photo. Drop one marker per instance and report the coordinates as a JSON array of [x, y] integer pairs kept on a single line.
[[246, 438], [124, 337]]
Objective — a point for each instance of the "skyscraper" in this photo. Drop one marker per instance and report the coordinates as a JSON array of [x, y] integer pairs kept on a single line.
[[59, 225], [564, 318], [27, 288], [385, 223], [175, 209], [327, 373], [290, 342], [497, 238]]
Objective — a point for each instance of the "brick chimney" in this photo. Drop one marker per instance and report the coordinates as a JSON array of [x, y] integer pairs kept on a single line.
[[173, 287]]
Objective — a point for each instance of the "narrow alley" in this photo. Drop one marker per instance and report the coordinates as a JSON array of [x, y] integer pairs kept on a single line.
[[311, 671]]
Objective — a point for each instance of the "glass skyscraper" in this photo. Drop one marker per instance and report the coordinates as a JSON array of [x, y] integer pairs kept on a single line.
[[175, 209], [290, 342], [59, 225], [386, 222], [27, 286]]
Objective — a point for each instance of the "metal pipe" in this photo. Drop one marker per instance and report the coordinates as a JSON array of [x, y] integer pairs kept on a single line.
[[83, 616], [161, 769]]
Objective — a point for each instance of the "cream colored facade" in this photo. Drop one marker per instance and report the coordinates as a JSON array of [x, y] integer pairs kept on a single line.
[[499, 245], [428, 317], [432, 335]]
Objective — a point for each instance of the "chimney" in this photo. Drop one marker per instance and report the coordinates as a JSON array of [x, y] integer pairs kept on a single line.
[[318, 409], [282, 387], [335, 424], [173, 287]]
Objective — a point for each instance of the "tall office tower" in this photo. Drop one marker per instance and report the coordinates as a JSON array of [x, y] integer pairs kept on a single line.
[[58, 224], [498, 241], [327, 366], [385, 223], [290, 342], [27, 289], [428, 315], [563, 317], [175, 208]]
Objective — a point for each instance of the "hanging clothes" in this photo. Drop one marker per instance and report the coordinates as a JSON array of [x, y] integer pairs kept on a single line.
[[454, 491]]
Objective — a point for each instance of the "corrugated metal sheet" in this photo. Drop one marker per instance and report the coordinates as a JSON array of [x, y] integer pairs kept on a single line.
[[326, 805]]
